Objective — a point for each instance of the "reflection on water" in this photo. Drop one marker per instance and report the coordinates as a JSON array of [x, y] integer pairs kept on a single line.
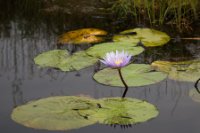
[[23, 35], [196, 85], [17, 93], [16, 59]]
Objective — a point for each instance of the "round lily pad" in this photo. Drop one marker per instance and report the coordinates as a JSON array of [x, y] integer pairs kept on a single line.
[[118, 111], [51, 58], [82, 36], [134, 75], [148, 37], [181, 71], [100, 50], [194, 95], [72, 112], [54, 113], [62, 60]]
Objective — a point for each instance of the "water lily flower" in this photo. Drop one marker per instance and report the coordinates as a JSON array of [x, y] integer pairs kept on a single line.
[[117, 59]]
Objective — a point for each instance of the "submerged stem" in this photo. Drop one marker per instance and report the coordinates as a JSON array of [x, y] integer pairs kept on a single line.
[[125, 85]]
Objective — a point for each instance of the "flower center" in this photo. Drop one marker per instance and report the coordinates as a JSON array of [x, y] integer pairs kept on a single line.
[[118, 62]]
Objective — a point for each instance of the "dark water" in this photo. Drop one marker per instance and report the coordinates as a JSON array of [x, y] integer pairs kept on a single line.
[[25, 34]]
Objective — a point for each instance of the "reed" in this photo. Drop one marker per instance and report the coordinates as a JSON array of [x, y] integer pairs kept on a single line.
[[178, 13]]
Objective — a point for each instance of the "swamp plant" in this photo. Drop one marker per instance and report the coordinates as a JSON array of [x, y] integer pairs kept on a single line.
[[118, 60], [158, 12]]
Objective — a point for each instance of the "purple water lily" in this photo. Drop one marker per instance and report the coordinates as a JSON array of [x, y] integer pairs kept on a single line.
[[117, 59]]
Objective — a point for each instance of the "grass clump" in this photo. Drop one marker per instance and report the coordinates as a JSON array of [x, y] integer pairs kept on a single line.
[[179, 13]]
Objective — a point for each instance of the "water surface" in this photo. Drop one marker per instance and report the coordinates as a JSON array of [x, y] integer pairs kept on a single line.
[[24, 35]]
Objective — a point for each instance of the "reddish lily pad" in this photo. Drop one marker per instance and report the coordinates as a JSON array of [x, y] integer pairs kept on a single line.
[[82, 36]]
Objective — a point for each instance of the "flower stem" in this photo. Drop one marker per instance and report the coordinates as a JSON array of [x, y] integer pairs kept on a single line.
[[125, 85], [196, 85]]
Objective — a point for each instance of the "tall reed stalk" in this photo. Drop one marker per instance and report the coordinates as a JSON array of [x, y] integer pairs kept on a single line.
[[159, 12]]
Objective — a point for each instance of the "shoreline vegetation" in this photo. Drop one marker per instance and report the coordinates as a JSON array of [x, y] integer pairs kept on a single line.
[[181, 15]]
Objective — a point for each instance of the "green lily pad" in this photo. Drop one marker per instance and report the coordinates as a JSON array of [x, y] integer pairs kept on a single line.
[[82, 36], [181, 71], [54, 113], [194, 95], [51, 58], [100, 50], [62, 60], [71, 112], [118, 111], [134, 75], [148, 37]]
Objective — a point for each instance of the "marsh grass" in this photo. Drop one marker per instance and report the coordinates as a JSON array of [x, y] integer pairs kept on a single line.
[[56, 13], [179, 13]]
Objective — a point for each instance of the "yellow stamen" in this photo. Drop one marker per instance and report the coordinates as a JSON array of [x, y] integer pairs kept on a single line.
[[118, 62]]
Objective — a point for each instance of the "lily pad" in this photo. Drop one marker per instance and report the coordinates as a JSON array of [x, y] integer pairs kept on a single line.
[[148, 37], [62, 60], [82, 36], [71, 112], [118, 111], [100, 50], [181, 71], [194, 95], [134, 75], [54, 113]]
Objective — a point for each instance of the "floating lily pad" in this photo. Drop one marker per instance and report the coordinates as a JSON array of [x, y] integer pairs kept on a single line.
[[134, 75], [54, 113], [70, 112], [118, 111], [62, 60], [148, 37], [194, 95], [51, 58], [181, 71], [100, 50], [82, 36]]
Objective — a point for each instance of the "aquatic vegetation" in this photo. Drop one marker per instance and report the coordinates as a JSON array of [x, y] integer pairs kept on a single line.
[[101, 49], [82, 36], [174, 12], [133, 74], [181, 71], [127, 111], [62, 60], [72, 112], [54, 113], [66, 111], [51, 58], [117, 59], [145, 36]]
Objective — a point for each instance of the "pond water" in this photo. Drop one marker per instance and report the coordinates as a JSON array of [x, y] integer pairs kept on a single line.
[[23, 37]]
